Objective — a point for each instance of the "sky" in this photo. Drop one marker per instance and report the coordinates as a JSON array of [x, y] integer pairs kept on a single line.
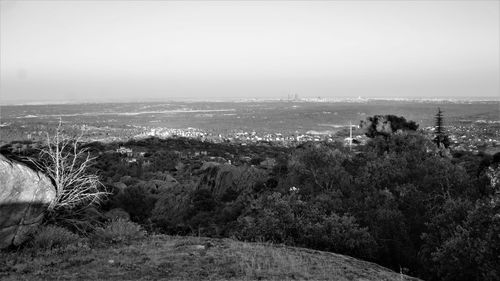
[[91, 51]]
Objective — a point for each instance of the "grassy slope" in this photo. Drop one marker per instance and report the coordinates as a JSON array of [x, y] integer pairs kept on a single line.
[[189, 258]]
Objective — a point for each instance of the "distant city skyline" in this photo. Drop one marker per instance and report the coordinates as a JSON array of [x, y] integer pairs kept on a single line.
[[95, 51]]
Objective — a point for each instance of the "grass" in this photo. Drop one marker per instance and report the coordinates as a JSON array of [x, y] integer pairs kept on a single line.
[[161, 257], [53, 237], [119, 231]]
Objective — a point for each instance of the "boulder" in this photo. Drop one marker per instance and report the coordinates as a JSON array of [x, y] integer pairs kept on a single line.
[[24, 197]]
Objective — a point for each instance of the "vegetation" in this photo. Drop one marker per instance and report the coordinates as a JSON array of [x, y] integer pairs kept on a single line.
[[78, 189], [397, 200], [441, 138], [119, 231], [439, 122], [67, 165], [162, 257], [52, 237], [380, 125]]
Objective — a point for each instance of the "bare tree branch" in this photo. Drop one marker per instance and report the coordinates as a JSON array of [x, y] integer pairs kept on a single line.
[[68, 166]]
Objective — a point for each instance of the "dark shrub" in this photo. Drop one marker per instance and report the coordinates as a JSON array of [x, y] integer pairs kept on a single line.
[[51, 237], [339, 234], [469, 250], [137, 201]]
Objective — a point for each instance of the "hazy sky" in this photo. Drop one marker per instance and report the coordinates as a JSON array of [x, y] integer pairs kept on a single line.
[[136, 50]]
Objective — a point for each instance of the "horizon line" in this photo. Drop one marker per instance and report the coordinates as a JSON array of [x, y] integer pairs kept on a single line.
[[242, 100]]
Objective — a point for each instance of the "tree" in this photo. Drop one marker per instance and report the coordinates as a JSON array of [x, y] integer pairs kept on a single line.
[[319, 168], [439, 122], [385, 125], [441, 137], [470, 242], [67, 165]]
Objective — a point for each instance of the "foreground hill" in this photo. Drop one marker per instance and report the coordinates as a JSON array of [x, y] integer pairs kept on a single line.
[[164, 257]]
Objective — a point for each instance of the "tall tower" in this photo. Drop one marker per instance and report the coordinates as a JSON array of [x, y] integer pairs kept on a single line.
[[350, 135]]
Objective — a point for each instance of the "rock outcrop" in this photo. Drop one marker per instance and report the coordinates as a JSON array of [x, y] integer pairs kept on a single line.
[[24, 196]]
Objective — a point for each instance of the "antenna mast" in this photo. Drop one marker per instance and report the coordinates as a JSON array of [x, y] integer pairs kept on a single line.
[[350, 135]]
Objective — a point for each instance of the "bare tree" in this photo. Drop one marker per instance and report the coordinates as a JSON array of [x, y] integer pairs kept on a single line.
[[68, 165]]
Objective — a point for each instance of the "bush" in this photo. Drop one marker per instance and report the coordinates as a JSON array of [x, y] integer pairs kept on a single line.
[[79, 220], [68, 165], [340, 234], [137, 201], [117, 213], [270, 219], [472, 247], [119, 231], [52, 237], [171, 209]]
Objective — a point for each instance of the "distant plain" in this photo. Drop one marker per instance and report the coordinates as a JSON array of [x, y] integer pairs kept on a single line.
[[262, 117]]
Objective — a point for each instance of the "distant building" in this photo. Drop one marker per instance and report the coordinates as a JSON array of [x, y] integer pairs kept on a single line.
[[125, 151]]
